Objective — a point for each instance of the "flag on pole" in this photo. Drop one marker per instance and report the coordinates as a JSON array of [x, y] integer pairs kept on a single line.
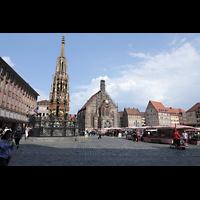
[[35, 110], [29, 109]]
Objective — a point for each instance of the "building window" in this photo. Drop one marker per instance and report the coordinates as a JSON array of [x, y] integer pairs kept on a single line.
[[7, 113], [4, 96], [107, 112], [15, 81], [2, 112], [16, 102], [10, 87], [8, 100], [5, 86], [7, 75], [1, 70], [12, 101]]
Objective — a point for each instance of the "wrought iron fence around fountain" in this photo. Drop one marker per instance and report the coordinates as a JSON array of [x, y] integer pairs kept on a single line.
[[53, 126]]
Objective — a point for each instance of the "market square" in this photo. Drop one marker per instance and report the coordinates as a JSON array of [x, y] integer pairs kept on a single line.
[[109, 151], [48, 120]]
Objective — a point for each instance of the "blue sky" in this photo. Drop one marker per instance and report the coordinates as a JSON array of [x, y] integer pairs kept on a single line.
[[137, 67]]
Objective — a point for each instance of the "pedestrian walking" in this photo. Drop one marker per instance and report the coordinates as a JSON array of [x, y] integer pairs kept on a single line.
[[185, 136], [135, 136], [99, 135], [26, 131], [18, 136], [6, 147]]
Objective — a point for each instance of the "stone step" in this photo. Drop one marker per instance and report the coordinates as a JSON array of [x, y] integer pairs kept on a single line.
[[51, 139]]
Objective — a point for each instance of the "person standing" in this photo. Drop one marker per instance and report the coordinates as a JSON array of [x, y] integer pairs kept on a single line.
[[26, 132], [6, 147], [18, 136], [99, 135], [175, 137], [185, 136], [135, 136]]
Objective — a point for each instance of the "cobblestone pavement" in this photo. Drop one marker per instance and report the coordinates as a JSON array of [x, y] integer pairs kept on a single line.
[[105, 152]]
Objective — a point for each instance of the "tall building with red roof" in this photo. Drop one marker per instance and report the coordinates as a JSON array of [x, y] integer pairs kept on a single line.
[[157, 114], [131, 117], [193, 115]]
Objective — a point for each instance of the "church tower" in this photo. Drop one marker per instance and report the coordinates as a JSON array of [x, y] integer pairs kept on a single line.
[[59, 95]]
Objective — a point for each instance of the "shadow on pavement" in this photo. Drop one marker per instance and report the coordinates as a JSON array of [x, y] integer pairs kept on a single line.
[[148, 155]]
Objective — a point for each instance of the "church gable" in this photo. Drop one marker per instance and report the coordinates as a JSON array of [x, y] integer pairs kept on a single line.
[[109, 99], [99, 111]]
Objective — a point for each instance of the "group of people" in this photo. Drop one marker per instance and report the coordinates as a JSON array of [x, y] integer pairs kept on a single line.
[[88, 133], [7, 144], [176, 137]]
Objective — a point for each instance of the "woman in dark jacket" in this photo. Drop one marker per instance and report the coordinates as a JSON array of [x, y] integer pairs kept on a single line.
[[18, 136]]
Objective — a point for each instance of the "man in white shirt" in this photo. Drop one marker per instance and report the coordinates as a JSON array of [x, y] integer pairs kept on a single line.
[[6, 129], [185, 136]]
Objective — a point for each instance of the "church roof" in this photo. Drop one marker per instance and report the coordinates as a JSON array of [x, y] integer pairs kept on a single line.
[[85, 105]]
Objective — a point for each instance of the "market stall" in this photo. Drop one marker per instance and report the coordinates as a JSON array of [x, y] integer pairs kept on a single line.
[[130, 131], [194, 136], [162, 134], [112, 131]]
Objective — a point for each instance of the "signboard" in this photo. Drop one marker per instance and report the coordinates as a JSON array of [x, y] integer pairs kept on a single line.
[[182, 142]]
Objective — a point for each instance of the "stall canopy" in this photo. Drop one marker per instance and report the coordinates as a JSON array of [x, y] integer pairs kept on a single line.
[[171, 127], [131, 127], [152, 127]]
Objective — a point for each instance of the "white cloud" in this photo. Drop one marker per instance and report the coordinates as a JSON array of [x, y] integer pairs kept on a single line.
[[43, 95], [183, 40], [139, 55], [172, 43], [169, 77], [7, 59]]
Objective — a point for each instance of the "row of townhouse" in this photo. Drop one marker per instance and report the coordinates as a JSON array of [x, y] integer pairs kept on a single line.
[[157, 114]]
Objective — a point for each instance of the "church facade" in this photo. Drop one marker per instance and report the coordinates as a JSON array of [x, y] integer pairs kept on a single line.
[[98, 112], [59, 95]]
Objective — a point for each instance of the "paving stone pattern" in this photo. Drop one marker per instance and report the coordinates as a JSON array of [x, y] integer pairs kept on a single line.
[[105, 152]]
